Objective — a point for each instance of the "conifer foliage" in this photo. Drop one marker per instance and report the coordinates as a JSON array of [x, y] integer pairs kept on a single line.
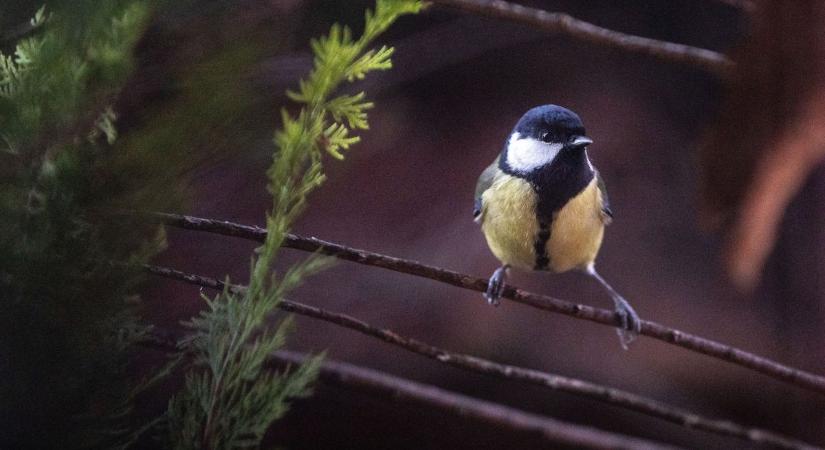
[[69, 315], [230, 397], [70, 274]]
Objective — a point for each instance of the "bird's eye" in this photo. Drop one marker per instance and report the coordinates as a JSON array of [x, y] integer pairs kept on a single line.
[[546, 136]]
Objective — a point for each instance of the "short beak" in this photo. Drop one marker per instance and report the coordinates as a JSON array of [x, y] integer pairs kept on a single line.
[[579, 142]]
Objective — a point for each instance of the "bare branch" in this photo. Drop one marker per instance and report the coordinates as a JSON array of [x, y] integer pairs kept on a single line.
[[654, 330], [397, 389], [615, 397], [556, 22]]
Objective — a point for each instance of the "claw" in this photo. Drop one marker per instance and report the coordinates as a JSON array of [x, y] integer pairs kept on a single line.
[[628, 322], [495, 287], [630, 325]]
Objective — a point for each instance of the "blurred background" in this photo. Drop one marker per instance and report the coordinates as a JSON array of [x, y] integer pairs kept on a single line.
[[442, 113], [459, 84]]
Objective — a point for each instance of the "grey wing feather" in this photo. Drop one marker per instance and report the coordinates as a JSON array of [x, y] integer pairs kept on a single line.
[[606, 211], [484, 183]]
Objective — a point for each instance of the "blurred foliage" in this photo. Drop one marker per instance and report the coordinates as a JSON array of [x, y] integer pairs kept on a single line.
[[202, 120], [230, 398], [71, 272], [69, 313]]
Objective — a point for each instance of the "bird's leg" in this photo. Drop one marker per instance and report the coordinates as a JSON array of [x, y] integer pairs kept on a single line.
[[629, 322], [496, 285]]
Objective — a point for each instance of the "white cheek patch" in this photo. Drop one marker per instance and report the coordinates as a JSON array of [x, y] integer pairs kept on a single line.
[[527, 154]]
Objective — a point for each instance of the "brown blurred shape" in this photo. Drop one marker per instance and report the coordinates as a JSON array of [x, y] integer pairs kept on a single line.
[[770, 134]]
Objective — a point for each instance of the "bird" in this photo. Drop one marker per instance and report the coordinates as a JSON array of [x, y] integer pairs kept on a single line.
[[543, 206]]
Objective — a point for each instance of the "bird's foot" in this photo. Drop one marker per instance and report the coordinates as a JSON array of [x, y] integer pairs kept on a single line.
[[495, 287], [629, 323]]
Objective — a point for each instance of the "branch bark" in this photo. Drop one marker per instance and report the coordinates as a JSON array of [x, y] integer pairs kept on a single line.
[[396, 389], [556, 22], [612, 396], [654, 330]]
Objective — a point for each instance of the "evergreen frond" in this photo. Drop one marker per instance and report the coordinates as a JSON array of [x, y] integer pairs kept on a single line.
[[351, 108], [338, 58], [105, 125], [372, 60], [39, 17], [14, 67], [338, 138], [230, 397], [70, 315]]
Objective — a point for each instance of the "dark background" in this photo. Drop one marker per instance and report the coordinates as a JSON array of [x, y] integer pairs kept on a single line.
[[441, 116]]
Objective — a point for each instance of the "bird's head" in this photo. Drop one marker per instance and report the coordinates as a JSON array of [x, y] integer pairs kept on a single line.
[[541, 135]]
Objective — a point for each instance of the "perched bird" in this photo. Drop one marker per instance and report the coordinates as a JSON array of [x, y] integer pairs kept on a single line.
[[543, 206]]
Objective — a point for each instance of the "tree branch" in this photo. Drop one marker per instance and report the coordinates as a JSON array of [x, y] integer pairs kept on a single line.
[[556, 22], [615, 397], [654, 330], [396, 389]]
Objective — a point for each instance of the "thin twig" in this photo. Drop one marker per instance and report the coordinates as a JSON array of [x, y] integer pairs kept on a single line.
[[556, 22], [397, 389], [574, 386], [654, 330]]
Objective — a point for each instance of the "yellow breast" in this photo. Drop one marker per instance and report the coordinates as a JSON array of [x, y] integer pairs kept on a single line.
[[510, 226], [509, 222], [577, 230]]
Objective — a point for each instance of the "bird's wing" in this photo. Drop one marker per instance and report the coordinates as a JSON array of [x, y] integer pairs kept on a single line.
[[484, 182], [607, 213]]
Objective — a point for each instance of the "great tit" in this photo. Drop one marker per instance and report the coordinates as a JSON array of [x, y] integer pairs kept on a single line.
[[543, 206]]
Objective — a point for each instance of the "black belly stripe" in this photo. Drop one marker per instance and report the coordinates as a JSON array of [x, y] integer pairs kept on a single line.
[[540, 246], [555, 185]]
